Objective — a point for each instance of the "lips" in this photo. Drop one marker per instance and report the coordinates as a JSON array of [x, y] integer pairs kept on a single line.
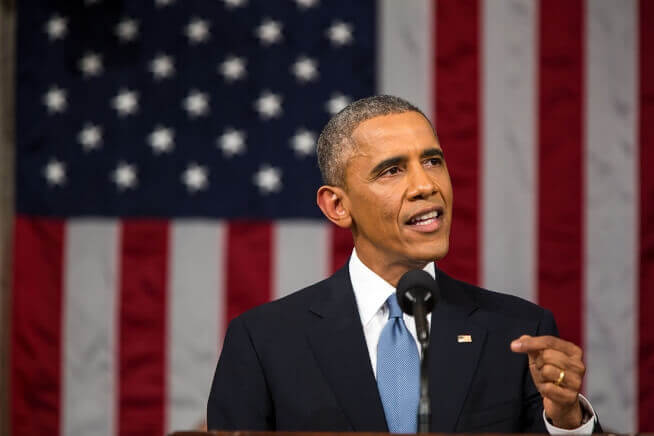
[[426, 218]]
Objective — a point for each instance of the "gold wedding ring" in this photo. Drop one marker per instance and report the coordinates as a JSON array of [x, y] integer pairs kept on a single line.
[[560, 379]]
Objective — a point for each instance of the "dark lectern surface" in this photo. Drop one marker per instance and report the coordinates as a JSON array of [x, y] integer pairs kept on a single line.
[[290, 433]]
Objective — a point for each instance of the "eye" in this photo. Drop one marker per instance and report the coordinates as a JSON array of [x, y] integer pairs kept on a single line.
[[390, 171], [434, 161]]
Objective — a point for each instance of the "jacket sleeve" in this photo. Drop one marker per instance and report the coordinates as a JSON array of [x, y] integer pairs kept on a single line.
[[239, 398]]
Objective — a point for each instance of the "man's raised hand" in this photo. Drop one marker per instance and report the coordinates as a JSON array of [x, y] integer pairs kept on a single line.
[[557, 370]]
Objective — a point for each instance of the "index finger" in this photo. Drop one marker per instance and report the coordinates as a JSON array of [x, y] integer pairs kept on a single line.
[[530, 344]]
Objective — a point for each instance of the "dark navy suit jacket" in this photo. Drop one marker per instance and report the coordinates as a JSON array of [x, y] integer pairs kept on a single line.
[[301, 363]]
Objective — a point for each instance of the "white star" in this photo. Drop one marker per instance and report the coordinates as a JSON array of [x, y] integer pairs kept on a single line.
[[162, 67], [126, 102], [269, 31], [305, 69], [56, 27], [55, 172], [268, 179], [55, 99], [91, 64], [336, 103], [233, 68], [195, 177], [197, 30], [304, 142], [232, 142], [269, 105], [161, 139], [90, 137], [340, 33], [160, 3], [230, 4], [124, 176], [306, 4], [196, 104], [127, 30]]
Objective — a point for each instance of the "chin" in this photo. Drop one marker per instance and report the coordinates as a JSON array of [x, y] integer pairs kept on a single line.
[[433, 252]]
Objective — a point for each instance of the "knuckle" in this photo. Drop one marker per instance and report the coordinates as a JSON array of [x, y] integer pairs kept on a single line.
[[549, 355], [550, 371]]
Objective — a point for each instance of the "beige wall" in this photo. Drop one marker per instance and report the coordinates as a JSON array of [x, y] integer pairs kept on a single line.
[[7, 27]]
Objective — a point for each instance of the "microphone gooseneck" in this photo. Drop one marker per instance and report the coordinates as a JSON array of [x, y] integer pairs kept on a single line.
[[417, 294]]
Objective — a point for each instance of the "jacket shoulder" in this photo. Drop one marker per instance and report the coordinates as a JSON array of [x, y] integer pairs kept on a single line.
[[499, 303], [286, 308]]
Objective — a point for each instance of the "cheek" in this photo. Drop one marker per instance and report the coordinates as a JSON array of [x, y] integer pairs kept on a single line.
[[445, 184], [388, 211], [386, 206]]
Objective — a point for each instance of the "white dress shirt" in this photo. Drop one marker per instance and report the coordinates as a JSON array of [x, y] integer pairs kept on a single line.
[[371, 293]]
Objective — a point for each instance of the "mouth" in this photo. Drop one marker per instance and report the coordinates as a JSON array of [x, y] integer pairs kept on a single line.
[[426, 221]]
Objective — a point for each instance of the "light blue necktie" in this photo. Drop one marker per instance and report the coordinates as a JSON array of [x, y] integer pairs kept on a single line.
[[398, 372]]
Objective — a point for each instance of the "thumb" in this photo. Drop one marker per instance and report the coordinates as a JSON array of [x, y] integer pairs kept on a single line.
[[516, 344]]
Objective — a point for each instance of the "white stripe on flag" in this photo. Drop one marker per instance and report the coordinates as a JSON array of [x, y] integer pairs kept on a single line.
[[405, 51], [611, 211], [509, 150], [89, 365], [195, 318], [300, 257]]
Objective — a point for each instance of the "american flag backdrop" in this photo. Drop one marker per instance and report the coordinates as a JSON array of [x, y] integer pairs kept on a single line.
[[166, 177]]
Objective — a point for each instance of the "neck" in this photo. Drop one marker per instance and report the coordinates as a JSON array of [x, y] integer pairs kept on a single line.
[[388, 269]]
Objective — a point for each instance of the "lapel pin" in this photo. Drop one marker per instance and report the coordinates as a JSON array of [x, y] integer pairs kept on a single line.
[[463, 338]]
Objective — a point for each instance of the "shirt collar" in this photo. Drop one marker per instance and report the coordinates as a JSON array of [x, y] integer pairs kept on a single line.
[[370, 290]]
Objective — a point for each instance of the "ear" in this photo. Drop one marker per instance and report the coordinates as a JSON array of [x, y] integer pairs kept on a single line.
[[332, 200]]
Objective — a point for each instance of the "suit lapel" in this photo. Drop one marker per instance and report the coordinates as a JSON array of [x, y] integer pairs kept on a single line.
[[452, 363], [337, 341]]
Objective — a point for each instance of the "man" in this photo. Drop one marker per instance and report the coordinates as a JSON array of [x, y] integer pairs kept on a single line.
[[326, 358]]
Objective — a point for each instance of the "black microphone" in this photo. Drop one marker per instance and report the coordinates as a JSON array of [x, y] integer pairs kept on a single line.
[[417, 294]]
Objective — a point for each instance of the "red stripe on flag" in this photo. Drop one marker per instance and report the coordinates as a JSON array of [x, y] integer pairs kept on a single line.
[[36, 326], [646, 252], [341, 245], [561, 164], [142, 327], [249, 265], [458, 106]]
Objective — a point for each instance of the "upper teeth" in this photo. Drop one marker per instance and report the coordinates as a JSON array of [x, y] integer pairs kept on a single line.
[[426, 216]]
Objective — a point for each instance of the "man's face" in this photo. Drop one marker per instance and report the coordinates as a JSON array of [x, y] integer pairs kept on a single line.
[[398, 192]]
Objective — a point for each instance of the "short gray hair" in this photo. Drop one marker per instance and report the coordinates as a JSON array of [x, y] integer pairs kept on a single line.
[[335, 144]]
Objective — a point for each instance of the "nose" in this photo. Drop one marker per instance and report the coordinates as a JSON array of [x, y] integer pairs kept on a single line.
[[421, 186]]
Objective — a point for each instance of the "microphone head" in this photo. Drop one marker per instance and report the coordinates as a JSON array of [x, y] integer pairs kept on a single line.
[[417, 286]]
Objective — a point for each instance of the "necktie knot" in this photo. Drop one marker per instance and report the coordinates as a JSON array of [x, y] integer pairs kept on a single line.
[[393, 307]]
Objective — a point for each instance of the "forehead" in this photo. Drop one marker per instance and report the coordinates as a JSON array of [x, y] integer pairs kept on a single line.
[[394, 133]]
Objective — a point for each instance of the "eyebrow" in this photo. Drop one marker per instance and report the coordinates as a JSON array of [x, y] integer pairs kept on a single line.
[[396, 160]]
